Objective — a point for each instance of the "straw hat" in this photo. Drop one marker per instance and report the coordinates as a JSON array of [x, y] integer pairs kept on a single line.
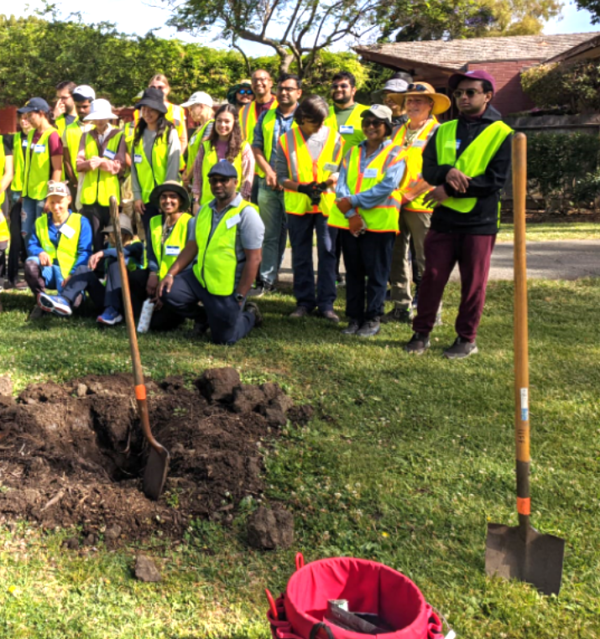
[[441, 102]]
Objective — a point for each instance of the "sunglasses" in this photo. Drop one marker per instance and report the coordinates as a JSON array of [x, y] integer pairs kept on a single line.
[[343, 85], [470, 93], [219, 179], [417, 87], [367, 122], [245, 92]]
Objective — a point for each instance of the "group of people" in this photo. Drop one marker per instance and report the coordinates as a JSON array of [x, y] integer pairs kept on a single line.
[[401, 197]]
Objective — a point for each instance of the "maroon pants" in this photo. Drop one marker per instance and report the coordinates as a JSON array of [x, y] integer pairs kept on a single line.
[[442, 252]]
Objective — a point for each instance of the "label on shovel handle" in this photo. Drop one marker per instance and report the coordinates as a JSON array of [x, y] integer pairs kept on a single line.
[[524, 405]]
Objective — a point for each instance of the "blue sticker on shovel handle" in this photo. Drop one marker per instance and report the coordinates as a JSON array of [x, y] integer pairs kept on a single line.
[[524, 405]]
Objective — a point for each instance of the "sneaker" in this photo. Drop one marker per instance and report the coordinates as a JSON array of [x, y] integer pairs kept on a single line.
[[369, 328], [461, 349], [418, 344], [261, 289], [56, 304], [35, 314], [352, 327], [330, 315], [340, 281], [110, 317], [401, 315], [258, 318], [301, 311]]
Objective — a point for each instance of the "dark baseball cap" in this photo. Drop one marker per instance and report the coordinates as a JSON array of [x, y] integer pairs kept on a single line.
[[35, 104], [224, 169], [476, 74]]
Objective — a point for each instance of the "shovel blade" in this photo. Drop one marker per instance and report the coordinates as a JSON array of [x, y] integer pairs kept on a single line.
[[155, 473], [526, 555]]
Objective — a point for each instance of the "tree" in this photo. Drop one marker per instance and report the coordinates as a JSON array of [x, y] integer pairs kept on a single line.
[[593, 6]]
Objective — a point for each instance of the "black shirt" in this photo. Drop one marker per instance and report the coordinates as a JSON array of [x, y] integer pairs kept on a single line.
[[8, 141]]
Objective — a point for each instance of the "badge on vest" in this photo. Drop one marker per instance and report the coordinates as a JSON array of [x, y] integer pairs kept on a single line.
[[111, 155], [418, 144], [346, 129], [39, 148], [193, 139], [24, 143], [331, 166], [172, 250], [232, 221], [137, 159], [67, 231], [458, 144], [370, 173]]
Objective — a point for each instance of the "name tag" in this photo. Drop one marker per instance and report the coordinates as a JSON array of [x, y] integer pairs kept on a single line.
[[39, 148], [346, 129], [458, 144], [172, 250], [67, 231], [370, 173], [137, 159], [24, 144], [232, 221], [109, 154], [330, 166], [193, 139], [418, 144]]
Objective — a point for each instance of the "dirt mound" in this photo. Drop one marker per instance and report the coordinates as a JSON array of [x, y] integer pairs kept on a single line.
[[73, 454]]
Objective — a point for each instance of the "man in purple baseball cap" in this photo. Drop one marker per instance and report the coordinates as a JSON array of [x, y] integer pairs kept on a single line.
[[467, 160]]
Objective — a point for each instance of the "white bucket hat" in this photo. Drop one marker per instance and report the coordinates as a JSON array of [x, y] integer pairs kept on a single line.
[[100, 110], [200, 97]]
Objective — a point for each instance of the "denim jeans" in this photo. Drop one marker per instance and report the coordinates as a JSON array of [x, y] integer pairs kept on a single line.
[[272, 211], [31, 210]]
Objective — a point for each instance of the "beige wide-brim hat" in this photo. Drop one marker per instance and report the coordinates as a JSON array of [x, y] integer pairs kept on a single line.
[[441, 102]]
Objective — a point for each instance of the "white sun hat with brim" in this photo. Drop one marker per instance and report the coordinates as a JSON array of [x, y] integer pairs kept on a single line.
[[100, 110], [200, 97]]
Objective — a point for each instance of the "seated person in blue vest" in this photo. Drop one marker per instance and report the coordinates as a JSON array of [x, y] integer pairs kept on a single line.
[[226, 252], [170, 231], [366, 212], [308, 159], [59, 249], [468, 161], [110, 296]]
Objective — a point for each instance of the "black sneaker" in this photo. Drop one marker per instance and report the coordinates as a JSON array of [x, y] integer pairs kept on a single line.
[[251, 307], [418, 344], [369, 328], [401, 315], [35, 314], [299, 312], [352, 327], [461, 349]]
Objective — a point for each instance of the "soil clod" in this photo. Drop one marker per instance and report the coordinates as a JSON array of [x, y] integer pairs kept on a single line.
[[146, 570], [270, 529]]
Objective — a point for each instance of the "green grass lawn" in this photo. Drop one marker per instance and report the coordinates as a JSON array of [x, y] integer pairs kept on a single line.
[[548, 231], [406, 462]]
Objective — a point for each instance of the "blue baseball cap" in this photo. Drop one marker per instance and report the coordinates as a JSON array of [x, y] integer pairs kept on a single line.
[[35, 104], [224, 169]]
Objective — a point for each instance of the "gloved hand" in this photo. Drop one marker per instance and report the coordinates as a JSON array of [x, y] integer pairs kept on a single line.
[[321, 187], [307, 189], [357, 225]]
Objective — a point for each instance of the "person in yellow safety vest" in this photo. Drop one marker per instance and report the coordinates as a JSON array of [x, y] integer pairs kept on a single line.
[[59, 250], [64, 111], [156, 153], [225, 253], [83, 96], [6, 176], [366, 212], [468, 162], [100, 161], [43, 162], [397, 84], [223, 143], [240, 94], [422, 104], [200, 106], [308, 159], [264, 100]]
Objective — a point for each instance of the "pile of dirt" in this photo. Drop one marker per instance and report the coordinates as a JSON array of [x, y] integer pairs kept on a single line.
[[73, 454]]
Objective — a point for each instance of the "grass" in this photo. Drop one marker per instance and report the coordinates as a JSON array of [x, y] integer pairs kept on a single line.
[[406, 462], [552, 231]]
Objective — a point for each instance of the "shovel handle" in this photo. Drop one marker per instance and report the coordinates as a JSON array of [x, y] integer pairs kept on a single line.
[[138, 374], [519, 160]]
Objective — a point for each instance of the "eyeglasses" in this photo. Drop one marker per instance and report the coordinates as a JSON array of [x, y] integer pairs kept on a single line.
[[343, 85], [367, 122], [470, 93], [287, 89], [417, 87], [218, 179], [245, 92]]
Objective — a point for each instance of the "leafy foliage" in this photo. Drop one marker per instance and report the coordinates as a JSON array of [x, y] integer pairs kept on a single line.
[[593, 6]]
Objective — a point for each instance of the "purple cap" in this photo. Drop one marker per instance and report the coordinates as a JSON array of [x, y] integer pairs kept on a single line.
[[476, 74]]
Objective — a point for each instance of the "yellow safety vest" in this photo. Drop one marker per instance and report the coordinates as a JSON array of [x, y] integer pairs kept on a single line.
[[413, 155], [4, 230], [37, 166], [98, 185], [208, 161], [72, 136], [151, 173], [382, 218], [19, 149], [194, 145], [474, 160], [175, 114], [129, 133], [217, 260], [352, 130], [66, 252], [248, 119], [268, 130], [167, 253], [61, 124], [304, 169]]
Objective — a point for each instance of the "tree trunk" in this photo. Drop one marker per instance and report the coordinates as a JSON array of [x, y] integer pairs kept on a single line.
[[286, 60]]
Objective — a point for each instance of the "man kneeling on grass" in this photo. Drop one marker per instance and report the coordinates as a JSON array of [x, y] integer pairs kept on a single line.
[[227, 249], [59, 249]]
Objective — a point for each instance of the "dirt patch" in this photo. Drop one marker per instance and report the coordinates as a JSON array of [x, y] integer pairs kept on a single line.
[[73, 454]]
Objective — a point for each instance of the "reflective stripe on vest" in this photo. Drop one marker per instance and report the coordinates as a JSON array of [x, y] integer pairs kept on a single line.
[[194, 146], [151, 174], [354, 120], [19, 148], [302, 168], [167, 253], [208, 161], [37, 166], [382, 218], [73, 134], [474, 160], [66, 252], [217, 259], [176, 115], [99, 185]]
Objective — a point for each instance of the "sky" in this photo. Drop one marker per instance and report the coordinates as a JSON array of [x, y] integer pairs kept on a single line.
[[140, 16]]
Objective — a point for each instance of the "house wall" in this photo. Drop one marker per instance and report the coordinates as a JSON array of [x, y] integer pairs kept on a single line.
[[8, 120]]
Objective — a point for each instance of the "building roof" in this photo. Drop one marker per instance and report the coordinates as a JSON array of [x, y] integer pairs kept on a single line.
[[588, 49], [453, 55]]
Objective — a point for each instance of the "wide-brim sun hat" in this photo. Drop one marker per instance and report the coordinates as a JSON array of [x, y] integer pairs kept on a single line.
[[441, 102], [154, 99], [175, 187], [100, 110]]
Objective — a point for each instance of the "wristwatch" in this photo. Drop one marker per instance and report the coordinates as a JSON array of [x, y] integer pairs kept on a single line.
[[239, 297]]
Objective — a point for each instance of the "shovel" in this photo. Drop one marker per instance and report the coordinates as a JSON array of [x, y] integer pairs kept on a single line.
[[155, 473], [521, 552]]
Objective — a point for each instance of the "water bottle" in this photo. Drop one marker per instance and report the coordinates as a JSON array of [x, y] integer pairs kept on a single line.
[[146, 316]]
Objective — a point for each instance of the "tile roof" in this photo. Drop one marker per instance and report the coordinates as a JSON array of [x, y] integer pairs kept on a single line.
[[454, 54]]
